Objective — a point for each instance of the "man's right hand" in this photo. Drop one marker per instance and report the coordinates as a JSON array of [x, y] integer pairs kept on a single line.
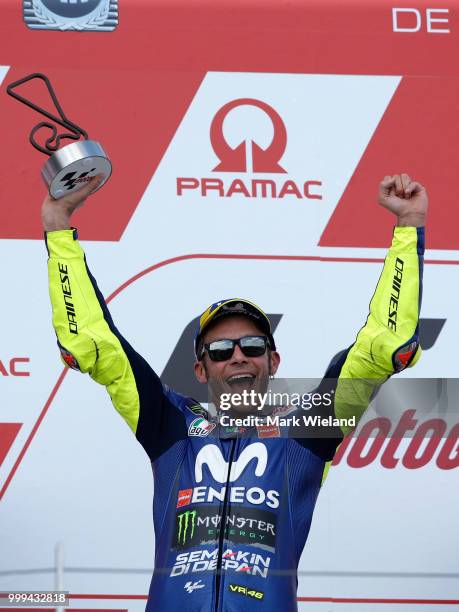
[[55, 214]]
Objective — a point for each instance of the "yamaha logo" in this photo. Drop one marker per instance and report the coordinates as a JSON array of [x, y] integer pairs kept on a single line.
[[96, 15]]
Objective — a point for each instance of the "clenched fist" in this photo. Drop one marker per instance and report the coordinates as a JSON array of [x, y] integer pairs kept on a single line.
[[55, 214], [405, 198]]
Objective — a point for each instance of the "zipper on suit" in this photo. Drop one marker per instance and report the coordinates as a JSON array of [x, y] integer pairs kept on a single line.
[[221, 536]]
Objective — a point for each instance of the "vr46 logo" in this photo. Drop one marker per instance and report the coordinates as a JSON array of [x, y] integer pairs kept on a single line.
[[243, 590]]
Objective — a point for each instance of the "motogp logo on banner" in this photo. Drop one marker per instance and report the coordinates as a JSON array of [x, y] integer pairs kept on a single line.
[[248, 157]]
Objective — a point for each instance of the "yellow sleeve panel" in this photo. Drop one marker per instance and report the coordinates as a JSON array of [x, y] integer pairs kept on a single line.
[[389, 340], [88, 339]]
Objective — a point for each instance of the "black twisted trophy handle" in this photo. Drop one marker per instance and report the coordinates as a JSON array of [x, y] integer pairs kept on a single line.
[[74, 132]]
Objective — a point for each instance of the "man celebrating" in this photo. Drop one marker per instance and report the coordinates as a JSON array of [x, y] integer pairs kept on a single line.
[[232, 513]]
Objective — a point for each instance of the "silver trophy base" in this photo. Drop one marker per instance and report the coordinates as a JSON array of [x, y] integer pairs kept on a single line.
[[70, 168]]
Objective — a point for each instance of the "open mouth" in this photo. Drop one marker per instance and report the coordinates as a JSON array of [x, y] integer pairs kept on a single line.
[[241, 381]]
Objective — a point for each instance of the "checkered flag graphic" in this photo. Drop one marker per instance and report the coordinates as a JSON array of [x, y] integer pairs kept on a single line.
[[70, 179]]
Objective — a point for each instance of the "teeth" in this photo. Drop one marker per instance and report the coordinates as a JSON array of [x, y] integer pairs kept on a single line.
[[241, 377]]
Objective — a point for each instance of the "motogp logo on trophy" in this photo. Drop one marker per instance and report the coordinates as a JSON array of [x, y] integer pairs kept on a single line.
[[96, 15]]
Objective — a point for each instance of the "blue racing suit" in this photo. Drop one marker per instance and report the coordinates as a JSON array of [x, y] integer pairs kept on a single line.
[[231, 513]]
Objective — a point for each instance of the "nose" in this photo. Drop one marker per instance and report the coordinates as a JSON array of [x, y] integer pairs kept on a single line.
[[238, 356]]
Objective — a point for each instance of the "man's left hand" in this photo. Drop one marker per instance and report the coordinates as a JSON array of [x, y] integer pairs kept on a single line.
[[405, 198]]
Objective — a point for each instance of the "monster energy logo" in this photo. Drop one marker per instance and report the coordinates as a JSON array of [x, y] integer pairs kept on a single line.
[[249, 526], [186, 520]]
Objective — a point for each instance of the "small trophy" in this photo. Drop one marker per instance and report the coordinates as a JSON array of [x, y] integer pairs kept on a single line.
[[68, 168]]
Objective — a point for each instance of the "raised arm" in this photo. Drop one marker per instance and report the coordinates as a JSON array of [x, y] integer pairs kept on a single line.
[[389, 340], [90, 342]]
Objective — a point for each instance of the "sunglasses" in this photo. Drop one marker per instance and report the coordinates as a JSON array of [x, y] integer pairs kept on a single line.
[[222, 350]]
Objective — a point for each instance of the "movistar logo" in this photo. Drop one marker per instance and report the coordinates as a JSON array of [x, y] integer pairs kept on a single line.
[[211, 455], [186, 525]]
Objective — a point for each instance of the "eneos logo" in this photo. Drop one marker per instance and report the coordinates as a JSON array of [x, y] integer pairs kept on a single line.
[[211, 456], [250, 158]]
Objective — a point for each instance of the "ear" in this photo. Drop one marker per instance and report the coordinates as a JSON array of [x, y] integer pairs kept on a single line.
[[274, 362], [200, 372]]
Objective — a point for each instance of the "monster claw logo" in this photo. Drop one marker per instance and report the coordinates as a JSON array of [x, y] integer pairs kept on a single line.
[[186, 526], [234, 160]]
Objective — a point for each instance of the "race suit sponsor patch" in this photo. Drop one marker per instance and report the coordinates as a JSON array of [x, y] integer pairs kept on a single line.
[[199, 410], [237, 495], [243, 590], [200, 427], [248, 526], [245, 562]]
